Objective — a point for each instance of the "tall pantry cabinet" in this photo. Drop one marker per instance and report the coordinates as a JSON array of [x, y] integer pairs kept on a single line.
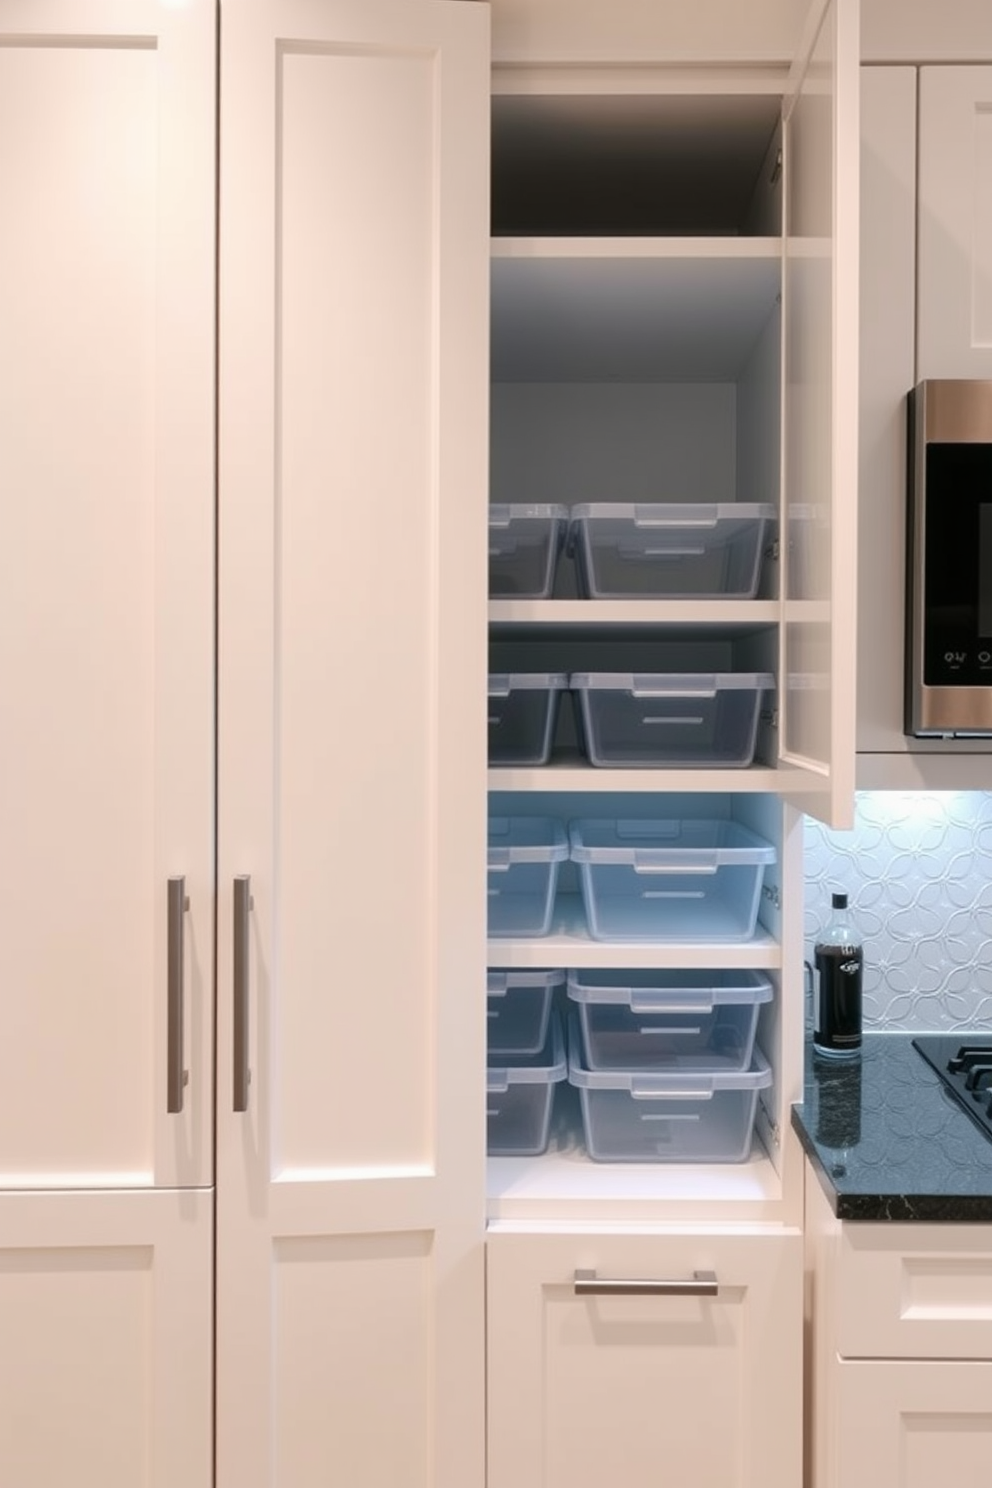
[[107, 181], [243, 445]]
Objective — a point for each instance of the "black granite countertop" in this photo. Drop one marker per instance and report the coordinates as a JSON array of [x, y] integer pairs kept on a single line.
[[888, 1143]]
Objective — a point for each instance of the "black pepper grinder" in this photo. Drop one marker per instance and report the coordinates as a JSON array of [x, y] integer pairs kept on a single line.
[[839, 959]]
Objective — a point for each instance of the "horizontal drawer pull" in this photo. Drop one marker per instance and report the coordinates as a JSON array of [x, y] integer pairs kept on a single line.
[[701, 1284]]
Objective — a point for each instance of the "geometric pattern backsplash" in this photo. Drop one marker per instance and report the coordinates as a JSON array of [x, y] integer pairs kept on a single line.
[[917, 869]]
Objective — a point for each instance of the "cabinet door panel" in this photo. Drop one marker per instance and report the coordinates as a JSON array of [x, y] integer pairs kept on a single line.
[[106, 586], [820, 305], [911, 1425], [587, 1389], [353, 398], [105, 1339], [954, 284]]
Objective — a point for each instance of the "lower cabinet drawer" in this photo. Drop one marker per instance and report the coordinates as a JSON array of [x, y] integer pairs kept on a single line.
[[639, 1359], [914, 1291]]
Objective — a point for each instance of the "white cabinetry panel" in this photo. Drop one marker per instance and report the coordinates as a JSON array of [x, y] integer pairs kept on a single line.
[[353, 401], [817, 653], [911, 1425], [106, 586], [585, 1389], [106, 1339], [954, 311]]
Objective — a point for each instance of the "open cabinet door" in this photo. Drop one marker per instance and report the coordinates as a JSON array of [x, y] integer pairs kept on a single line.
[[353, 330], [820, 414]]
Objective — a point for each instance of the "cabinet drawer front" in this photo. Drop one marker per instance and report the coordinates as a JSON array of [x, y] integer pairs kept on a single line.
[[914, 1291], [591, 1387]]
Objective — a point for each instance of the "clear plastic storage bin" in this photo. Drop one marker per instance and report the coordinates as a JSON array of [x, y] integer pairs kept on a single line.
[[524, 544], [519, 1097], [669, 880], [525, 854], [670, 719], [669, 1021], [523, 711], [672, 1118], [518, 1007], [665, 551]]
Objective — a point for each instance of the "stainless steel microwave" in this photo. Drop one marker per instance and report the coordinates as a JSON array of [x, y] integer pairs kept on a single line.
[[949, 561]]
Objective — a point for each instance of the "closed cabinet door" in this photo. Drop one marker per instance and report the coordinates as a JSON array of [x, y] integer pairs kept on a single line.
[[353, 397], [954, 280], [106, 1339], [647, 1359], [911, 1424], [107, 128]]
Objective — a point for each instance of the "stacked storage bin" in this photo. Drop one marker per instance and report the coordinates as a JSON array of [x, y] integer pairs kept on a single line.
[[665, 1063], [526, 1060]]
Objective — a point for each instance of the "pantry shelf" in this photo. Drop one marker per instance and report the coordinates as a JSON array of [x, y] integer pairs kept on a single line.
[[563, 1185], [570, 945]]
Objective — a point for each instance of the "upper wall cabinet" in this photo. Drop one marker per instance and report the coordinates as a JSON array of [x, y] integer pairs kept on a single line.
[[107, 146], [674, 320], [954, 309]]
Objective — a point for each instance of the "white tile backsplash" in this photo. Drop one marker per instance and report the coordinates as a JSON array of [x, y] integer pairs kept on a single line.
[[918, 871]]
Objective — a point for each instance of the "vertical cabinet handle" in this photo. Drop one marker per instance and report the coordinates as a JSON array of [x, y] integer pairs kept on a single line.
[[242, 909], [700, 1284], [176, 1075]]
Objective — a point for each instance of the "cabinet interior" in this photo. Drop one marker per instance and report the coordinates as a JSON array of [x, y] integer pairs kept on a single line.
[[636, 336]]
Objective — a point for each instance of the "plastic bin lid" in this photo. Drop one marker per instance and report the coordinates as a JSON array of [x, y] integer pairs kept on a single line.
[[546, 1068], [526, 839], [674, 846], [690, 991], [501, 514], [670, 684], [498, 983], [501, 684], [673, 514], [675, 1085]]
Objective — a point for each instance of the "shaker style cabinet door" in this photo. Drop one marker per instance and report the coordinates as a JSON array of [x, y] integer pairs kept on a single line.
[[648, 1359], [954, 283], [904, 1424], [106, 1339], [107, 130], [820, 313], [353, 405]]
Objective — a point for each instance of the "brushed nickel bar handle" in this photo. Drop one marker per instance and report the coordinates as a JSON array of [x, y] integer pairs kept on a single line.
[[176, 1075], [702, 1284], [242, 908]]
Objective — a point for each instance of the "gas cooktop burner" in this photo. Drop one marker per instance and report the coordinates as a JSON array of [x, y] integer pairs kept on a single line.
[[964, 1064]]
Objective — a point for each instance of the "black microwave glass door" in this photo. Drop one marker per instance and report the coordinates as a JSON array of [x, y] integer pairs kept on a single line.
[[957, 588]]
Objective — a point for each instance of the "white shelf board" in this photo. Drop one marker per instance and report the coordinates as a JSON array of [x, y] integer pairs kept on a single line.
[[728, 616], [565, 1185], [630, 310], [573, 775], [729, 249], [569, 944]]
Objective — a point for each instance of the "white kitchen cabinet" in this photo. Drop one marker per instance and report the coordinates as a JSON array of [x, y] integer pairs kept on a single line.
[[106, 592], [954, 309], [899, 1323], [106, 1339], [352, 621], [699, 1390], [107, 133]]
